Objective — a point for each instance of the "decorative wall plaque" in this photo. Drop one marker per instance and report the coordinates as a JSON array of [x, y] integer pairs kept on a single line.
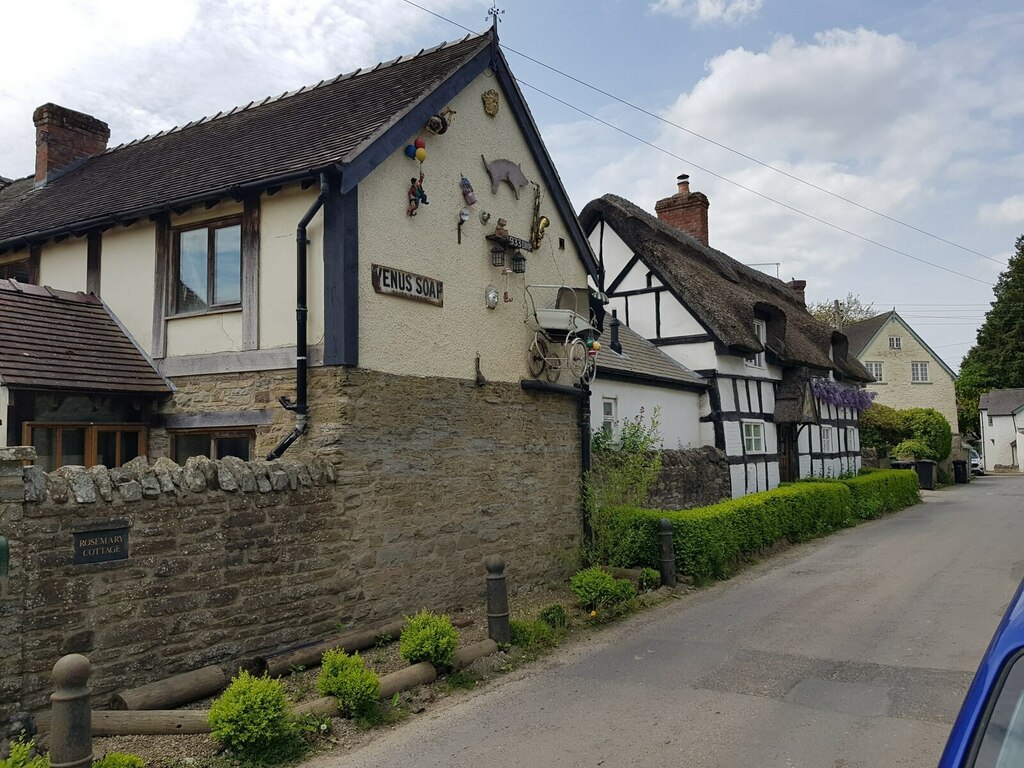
[[490, 99], [101, 546], [407, 285]]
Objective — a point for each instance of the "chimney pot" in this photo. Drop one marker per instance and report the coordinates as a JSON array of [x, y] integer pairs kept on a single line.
[[616, 345], [64, 136], [685, 210]]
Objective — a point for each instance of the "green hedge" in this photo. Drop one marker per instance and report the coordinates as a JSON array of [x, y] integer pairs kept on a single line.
[[708, 540]]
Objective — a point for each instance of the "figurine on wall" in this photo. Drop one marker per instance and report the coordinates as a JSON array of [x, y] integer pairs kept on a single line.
[[416, 195], [467, 191], [441, 122], [500, 231], [505, 170]]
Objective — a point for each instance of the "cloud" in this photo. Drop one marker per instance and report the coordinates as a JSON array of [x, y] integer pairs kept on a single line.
[[1008, 211], [707, 12], [899, 127], [143, 70]]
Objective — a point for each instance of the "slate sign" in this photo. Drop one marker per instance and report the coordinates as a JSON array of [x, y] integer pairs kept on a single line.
[[101, 546]]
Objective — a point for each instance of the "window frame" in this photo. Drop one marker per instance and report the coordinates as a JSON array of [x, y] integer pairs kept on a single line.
[[608, 425], [211, 226], [895, 342], [757, 360], [870, 364], [91, 437], [214, 435], [916, 366], [759, 436], [852, 442], [985, 718], [831, 439]]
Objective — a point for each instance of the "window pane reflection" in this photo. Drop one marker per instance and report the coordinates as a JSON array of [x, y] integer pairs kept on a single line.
[[227, 269], [72, 446], [192, 271]]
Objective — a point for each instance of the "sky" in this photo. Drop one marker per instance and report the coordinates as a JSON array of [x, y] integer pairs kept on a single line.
[[778, 109]]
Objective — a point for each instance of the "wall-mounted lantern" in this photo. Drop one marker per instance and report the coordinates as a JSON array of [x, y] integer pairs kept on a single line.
[[497, 255], [518, 262]]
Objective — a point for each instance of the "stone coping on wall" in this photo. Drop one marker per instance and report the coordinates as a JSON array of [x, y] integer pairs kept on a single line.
[[139, 479]]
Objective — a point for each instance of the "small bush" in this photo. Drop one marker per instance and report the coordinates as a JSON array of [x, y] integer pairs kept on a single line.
[[531, 634], [119, 760], [554, 616], [916, 448], [428, 637], [649, 580], [595, 588], [931, 428], [347, 678], [253, 715], [22, 755]]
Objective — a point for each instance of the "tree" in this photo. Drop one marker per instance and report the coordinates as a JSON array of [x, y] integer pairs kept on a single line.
[[839, 313], [996, 361]]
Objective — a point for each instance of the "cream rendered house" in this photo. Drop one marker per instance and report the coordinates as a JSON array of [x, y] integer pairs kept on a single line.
[[907, 372], [306, 280]]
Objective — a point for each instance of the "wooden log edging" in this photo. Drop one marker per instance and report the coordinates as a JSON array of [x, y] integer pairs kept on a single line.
[[172, 691], [277, 664], [145, 722], [155, 722]]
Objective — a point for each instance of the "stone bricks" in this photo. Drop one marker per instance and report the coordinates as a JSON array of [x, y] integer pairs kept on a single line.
[[691, 478], [388, 504]]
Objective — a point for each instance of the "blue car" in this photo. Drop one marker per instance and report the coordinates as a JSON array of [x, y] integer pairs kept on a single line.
[[989, 731]]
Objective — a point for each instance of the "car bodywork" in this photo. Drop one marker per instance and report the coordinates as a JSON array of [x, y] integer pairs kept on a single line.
[[989, 731]]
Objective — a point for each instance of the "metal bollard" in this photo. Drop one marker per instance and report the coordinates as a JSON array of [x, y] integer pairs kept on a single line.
[[667, 558], [71, 715], [497, 601]]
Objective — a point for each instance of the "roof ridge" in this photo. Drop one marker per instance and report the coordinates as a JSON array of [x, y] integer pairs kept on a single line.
[[256, 103]]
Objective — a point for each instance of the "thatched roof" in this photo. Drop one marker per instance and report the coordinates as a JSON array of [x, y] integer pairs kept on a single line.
[[724, 294]]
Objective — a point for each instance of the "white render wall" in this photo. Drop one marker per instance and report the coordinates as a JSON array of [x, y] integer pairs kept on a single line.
[[397, 335], [996, 440], [679, 410]]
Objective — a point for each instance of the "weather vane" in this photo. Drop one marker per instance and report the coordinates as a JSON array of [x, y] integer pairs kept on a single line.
[[493, 14]]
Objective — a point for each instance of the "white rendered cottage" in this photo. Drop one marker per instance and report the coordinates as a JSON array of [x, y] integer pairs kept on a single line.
[[784, 395]]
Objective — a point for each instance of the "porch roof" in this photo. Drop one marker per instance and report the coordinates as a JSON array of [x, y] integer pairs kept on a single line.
[[58, 340]]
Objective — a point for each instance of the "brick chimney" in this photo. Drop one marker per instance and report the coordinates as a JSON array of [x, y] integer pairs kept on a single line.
[[64, 136], [799, 286], [685, 210]]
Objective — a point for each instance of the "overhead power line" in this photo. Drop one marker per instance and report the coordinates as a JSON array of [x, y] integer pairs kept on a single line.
[[721, 145], [708, 171]]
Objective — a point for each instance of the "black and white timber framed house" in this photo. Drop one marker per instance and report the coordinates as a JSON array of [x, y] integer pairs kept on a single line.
[[784, 394]]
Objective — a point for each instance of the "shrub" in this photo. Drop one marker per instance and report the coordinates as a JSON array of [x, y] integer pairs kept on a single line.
[[710, 540], [554, 616], [916, 448], [882, 427], [649, 580], [624, 469], [347, 678], [428, 637], [119, 760], [595, 588], [22, 755], [531, 634], [252, 715], [931, 428]]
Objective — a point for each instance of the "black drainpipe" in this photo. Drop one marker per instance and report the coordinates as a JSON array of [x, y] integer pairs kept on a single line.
[[300, 405]]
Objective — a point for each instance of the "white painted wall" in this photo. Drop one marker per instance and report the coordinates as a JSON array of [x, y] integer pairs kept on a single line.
[[679, 410], [696, 357], [64, 265], [676, 320], [615, 252], [996, 440], [402, 336], [127, 274], [279, 215]]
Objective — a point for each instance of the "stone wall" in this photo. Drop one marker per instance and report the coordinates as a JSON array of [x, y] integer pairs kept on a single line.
[[412, 483], [691, 478]]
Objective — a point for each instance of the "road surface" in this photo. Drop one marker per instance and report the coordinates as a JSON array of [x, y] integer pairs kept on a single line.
[[849, 651]]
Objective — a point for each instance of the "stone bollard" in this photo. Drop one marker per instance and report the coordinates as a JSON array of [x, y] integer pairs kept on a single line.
[[71, 716], [497, 601], [667, 557]]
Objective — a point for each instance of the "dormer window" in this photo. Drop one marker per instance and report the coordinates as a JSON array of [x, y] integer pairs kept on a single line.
[[895, 342], [761, 331]]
